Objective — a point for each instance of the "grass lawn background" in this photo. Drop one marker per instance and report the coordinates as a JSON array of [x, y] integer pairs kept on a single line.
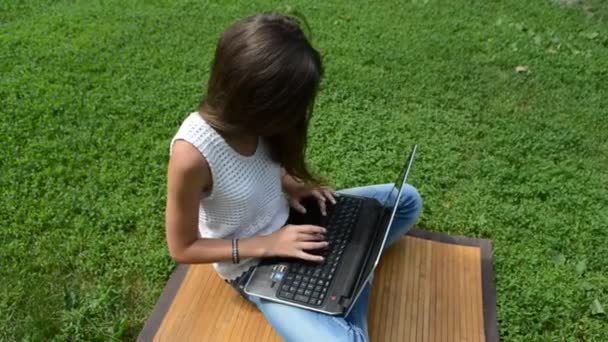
[[91, 93]]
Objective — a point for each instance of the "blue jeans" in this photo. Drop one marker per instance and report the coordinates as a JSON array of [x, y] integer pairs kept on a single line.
[[295, 324]]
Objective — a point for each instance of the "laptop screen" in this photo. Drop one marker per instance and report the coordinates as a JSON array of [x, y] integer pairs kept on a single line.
[[390, 205]]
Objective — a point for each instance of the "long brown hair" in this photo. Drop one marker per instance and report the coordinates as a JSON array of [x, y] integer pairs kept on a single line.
[[263, 82]]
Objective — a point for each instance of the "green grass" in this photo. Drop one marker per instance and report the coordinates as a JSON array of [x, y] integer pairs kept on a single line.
[[91, 93]]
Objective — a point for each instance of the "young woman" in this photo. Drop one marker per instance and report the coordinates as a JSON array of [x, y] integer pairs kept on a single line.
[[237, 165]]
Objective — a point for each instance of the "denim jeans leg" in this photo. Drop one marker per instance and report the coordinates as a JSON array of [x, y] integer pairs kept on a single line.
[[295, 324]]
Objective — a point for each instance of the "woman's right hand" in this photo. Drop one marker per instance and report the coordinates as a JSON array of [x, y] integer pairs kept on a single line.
[[293, 241]]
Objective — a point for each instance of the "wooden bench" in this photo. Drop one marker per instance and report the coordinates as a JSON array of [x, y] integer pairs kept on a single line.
[[428, 287]]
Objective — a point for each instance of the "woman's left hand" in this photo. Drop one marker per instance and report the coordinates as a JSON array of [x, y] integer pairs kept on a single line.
[[298, 192]]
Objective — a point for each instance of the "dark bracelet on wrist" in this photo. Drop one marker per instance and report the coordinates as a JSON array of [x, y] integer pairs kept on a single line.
[[235, 251]]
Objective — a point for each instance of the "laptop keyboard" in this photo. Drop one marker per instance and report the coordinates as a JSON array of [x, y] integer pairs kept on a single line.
[[307, 282]]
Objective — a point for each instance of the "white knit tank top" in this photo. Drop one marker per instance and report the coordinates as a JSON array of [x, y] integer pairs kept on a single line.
[[246, 199]]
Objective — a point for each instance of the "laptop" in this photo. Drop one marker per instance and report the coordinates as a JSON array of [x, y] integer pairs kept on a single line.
[[357, 229]]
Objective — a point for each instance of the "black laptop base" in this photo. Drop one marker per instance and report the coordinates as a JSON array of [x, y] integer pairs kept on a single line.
[[312, 285]]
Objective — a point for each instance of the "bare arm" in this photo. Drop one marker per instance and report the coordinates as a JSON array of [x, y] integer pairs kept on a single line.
[[288, 182], [188, 176]]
